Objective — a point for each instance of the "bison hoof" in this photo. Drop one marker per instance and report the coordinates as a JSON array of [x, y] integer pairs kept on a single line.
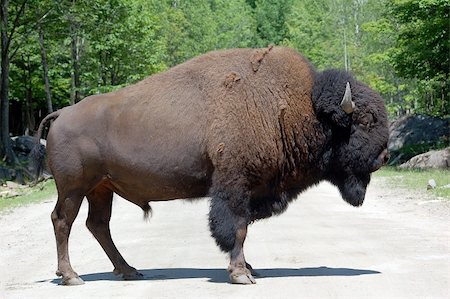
[[133, 276], [129, 274], [252, 271], [73, 281], [242, 278]]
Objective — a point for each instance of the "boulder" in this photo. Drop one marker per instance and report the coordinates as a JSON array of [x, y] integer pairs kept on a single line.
[[9, 193], [25, 169], [22, 143], [6, 174], [431, 184], [13, 185], [415, 134], [22, 146], [433, 159]]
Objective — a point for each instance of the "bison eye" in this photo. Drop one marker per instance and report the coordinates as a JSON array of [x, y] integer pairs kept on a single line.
[[364, 125], [366, 121]]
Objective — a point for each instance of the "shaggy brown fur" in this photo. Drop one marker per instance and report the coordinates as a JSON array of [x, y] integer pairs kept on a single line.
[[250, 128]]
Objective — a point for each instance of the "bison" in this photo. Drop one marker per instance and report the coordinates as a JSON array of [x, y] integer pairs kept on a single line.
[[249, 128]]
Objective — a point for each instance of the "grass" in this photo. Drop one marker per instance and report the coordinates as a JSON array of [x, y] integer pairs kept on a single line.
[[417, 180], [38, 193], [412, 180]]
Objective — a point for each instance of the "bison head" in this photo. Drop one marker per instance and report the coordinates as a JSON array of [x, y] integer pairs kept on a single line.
[[355, 120]]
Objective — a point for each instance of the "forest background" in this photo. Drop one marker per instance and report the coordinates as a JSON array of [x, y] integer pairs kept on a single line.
[[56, 52]]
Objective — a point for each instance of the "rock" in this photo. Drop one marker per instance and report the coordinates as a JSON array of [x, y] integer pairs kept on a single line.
[[25, 169], [415, 134], [12, 185], [22, 144], [431, 184], [9, 193], [415, 129], [5, 173], [432, 159]]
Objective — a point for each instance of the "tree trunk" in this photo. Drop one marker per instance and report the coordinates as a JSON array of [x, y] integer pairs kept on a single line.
[[30, 123], [48, 92], [346, 58], [75, 53], [6, 152], [29, 118]]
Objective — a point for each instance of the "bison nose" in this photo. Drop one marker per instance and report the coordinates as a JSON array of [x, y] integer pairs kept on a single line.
[[382, 159]]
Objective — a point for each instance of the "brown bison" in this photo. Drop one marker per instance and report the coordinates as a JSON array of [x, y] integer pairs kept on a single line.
[[249, 128]]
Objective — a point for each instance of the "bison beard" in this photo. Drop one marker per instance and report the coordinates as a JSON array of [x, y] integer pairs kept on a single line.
[[250, 128], [353, 189]]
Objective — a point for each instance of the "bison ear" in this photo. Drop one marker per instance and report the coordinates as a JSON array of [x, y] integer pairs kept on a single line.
[[347, 104]]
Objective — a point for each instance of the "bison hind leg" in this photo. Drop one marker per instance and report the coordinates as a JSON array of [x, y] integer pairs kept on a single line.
[[99, 215], [63, 216]]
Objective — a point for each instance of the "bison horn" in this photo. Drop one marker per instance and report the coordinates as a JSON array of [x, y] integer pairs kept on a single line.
[[347, 104]]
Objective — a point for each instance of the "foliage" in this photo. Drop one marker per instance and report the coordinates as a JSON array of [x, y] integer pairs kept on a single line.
[[271, 17], [236, 25], [426, 23], [417, 180], [398, 47], [312, 29]]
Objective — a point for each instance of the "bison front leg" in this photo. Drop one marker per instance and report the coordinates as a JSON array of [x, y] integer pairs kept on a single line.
[[228, 220]]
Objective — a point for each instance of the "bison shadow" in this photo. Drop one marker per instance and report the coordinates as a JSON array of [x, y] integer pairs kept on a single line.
[[221, 276]]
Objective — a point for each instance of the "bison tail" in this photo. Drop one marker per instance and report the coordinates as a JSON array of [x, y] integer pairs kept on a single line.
[[37, 153]]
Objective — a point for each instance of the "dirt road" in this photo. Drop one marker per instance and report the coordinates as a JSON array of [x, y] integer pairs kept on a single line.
[[396, 246]]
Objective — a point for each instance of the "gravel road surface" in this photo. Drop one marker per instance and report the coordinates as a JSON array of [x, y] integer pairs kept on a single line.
[[397, 245]]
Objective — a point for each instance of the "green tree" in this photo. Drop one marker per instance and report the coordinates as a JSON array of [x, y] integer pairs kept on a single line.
[[26, 86], [379, 34], [62, 51], [188, 28], [191, 28], [236, 27], [423, 50], [271, 17], [122, 49], [312, 30], [10, 23], [327, 32]]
